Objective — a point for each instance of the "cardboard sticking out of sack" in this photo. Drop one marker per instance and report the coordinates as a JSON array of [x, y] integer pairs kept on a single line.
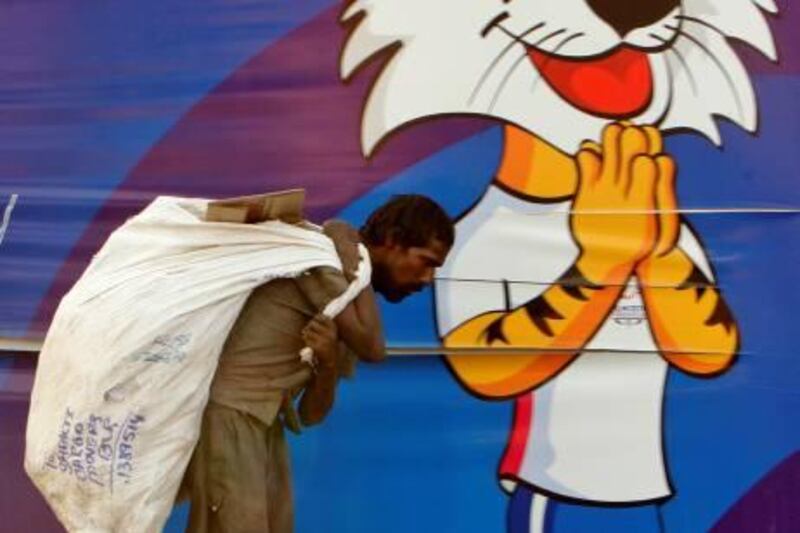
[[286, 206]]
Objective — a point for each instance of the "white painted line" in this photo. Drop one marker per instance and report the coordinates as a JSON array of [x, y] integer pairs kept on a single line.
[[7, 216]]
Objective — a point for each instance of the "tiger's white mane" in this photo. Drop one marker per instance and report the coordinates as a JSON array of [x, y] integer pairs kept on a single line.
[[451, 60]]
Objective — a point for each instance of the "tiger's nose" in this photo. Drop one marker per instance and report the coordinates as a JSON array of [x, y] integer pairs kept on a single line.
[[627, 15]]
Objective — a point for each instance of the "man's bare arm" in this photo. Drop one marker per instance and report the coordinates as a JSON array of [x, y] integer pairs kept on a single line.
[[360, 323], [322, 337], [318, 396], [361, 329]]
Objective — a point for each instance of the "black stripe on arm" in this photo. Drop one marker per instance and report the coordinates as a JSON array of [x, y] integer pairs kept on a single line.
[[573, 282], [575, 292], [539, 311], [721, 315], [494, 332], [696, 280]]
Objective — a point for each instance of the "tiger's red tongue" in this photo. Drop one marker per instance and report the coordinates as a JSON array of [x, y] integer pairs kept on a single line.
[[617, 85]]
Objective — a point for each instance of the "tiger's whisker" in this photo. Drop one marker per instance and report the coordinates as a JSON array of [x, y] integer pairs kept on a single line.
[[686, 68], [719, 65], [518, 62], [499, 91], [515, 39], [700, 22]]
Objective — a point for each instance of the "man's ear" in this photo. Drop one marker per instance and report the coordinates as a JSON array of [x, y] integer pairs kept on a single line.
[[391, 242]]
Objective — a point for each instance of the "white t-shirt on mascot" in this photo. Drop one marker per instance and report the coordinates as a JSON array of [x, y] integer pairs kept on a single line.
[[594, 431]]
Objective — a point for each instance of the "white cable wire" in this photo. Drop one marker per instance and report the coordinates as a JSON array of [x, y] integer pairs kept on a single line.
[[695, 211]]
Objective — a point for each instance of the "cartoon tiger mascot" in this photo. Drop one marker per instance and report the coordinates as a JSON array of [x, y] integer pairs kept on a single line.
[[599, 284]]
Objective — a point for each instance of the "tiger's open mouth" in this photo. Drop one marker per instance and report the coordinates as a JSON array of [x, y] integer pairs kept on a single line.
[[615, 85]]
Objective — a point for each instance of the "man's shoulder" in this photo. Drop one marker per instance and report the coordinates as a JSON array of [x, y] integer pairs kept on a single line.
[[320, 285], [322, 278], [309, 293], [307, 280]]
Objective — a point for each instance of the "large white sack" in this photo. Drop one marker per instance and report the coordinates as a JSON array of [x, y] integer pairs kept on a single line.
[[124, 373]]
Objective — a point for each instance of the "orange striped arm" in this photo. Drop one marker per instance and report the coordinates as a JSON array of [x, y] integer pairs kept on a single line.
[[555, 326], [690, 321]]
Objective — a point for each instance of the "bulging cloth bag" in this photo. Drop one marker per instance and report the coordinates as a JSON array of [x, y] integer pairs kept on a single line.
[[124, 373]]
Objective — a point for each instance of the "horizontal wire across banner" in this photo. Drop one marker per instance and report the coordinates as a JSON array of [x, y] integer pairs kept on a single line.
[[10, 347]]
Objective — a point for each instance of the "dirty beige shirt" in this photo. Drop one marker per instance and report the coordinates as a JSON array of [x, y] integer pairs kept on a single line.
[[260, 360]]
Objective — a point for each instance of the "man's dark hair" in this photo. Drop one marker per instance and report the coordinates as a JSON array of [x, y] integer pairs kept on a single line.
[[409, 220]]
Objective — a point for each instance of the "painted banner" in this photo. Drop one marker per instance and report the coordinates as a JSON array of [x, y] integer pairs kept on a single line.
[[624, 175]]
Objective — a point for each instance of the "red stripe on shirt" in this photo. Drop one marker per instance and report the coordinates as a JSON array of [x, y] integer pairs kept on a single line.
[[515, 451]]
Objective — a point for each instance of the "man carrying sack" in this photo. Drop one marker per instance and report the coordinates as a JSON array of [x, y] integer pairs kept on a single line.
[[239, 306], [238, 479]]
